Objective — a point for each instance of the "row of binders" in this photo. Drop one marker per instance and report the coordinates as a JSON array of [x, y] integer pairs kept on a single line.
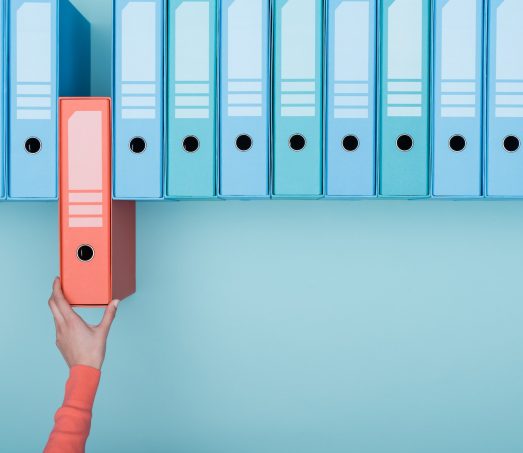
[[281, 98]]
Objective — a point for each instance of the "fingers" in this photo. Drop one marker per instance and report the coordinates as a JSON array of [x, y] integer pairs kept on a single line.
[[108, 317], [61, 303], [58, 318]]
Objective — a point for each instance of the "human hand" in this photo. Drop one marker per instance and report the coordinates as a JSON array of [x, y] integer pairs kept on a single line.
[[79, 342]]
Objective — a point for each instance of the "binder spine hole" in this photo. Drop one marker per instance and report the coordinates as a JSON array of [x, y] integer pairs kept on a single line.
[[137, 145], [404, 142], [244, 143], [85, 253], [297, 142], [191, 144], [350, 143], [33, 145], [457, 143], [511, 143]]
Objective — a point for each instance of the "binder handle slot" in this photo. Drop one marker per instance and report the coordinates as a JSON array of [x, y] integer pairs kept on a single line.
[[457, 143], [85, 253], [137, 145], [244, 142], [33, 145], [405, 143], [297, 142], [191, 144], [350, 143], [511, 143]]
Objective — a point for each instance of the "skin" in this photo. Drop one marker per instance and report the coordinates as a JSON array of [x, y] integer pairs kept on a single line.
[[80, 343]]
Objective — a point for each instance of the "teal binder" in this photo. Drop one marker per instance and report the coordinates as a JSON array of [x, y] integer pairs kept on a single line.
[[404, 98], [297, 106], [191, 99]]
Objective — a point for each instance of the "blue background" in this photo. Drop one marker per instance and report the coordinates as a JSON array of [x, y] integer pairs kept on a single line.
[[281, 326]]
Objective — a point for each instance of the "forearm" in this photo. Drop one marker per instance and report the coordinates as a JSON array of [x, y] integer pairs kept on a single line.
[[73, 419]]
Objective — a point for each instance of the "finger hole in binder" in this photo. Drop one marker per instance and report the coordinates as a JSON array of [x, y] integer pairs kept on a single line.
[[297, 142], [350, 143], [404, 142], [137, 145], [457, 143], [85, 253], [244, 142], [191, 144], [33, 145], [511, 143]]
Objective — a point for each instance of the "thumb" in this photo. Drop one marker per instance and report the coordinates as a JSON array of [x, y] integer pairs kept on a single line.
[[108, 317]]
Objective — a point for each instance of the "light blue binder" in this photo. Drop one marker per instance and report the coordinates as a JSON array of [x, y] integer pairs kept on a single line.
[[297, 108], [458, 86], [49, 56], [3, 100], [505, 99], [404, 98], [351, 86], [244, 94], [191, 105], [138, 99]]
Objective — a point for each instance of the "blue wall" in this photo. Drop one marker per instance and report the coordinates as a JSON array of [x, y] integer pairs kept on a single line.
[[370, 327]]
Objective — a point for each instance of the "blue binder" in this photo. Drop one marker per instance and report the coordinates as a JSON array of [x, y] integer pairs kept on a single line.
[[138, 99], [351, 86], [191, 91], [458, 86], [404, 98], [3, 99], [49, 56], [244, 93], [297, 115], [505, 99]]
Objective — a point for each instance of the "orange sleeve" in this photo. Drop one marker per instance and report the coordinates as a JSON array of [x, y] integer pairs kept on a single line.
[[73, 419]]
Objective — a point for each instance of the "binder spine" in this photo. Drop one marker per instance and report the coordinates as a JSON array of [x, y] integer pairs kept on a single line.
[[3, 99], [350, 99], [192, 89], [504, 115], [138, 94], [244, 94], [404, 85], [33, 89], [298, 99], [458, 99]]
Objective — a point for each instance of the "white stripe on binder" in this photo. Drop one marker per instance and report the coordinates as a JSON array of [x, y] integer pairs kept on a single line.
[[33, 89], [458, 112], [458, 99], [298, 99], [458, 87], [89, 222], [509, 87], [404, 111], [85, 197], [191, 88], [509, 112], [29, 114], [351, 101], [351, 113], [191, 101], [298, 87], [138, 101], [244, 87], [298, 111], [244, 111], [191, 113], [404, 99], [509, 99], [33, 101], [249, 99], [414, 87], [350, 88], [86, 209], [138, 88], [138, 114]]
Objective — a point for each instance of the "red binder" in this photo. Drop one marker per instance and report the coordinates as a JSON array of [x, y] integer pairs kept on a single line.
[[97, 235]]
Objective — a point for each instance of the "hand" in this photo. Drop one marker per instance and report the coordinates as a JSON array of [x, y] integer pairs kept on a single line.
[[79, 342]]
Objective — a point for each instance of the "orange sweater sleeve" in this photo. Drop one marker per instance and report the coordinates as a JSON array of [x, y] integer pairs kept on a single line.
[[73, 419]]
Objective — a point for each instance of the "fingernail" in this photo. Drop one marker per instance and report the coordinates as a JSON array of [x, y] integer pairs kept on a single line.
[[116, 302]]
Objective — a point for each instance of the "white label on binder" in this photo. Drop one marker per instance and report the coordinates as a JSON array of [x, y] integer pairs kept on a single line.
[[138, 62], [458, 58], [33, 61], [405, 54], [509, 64], [351, 59], [298, 54], [245, 55], [192, 52]]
